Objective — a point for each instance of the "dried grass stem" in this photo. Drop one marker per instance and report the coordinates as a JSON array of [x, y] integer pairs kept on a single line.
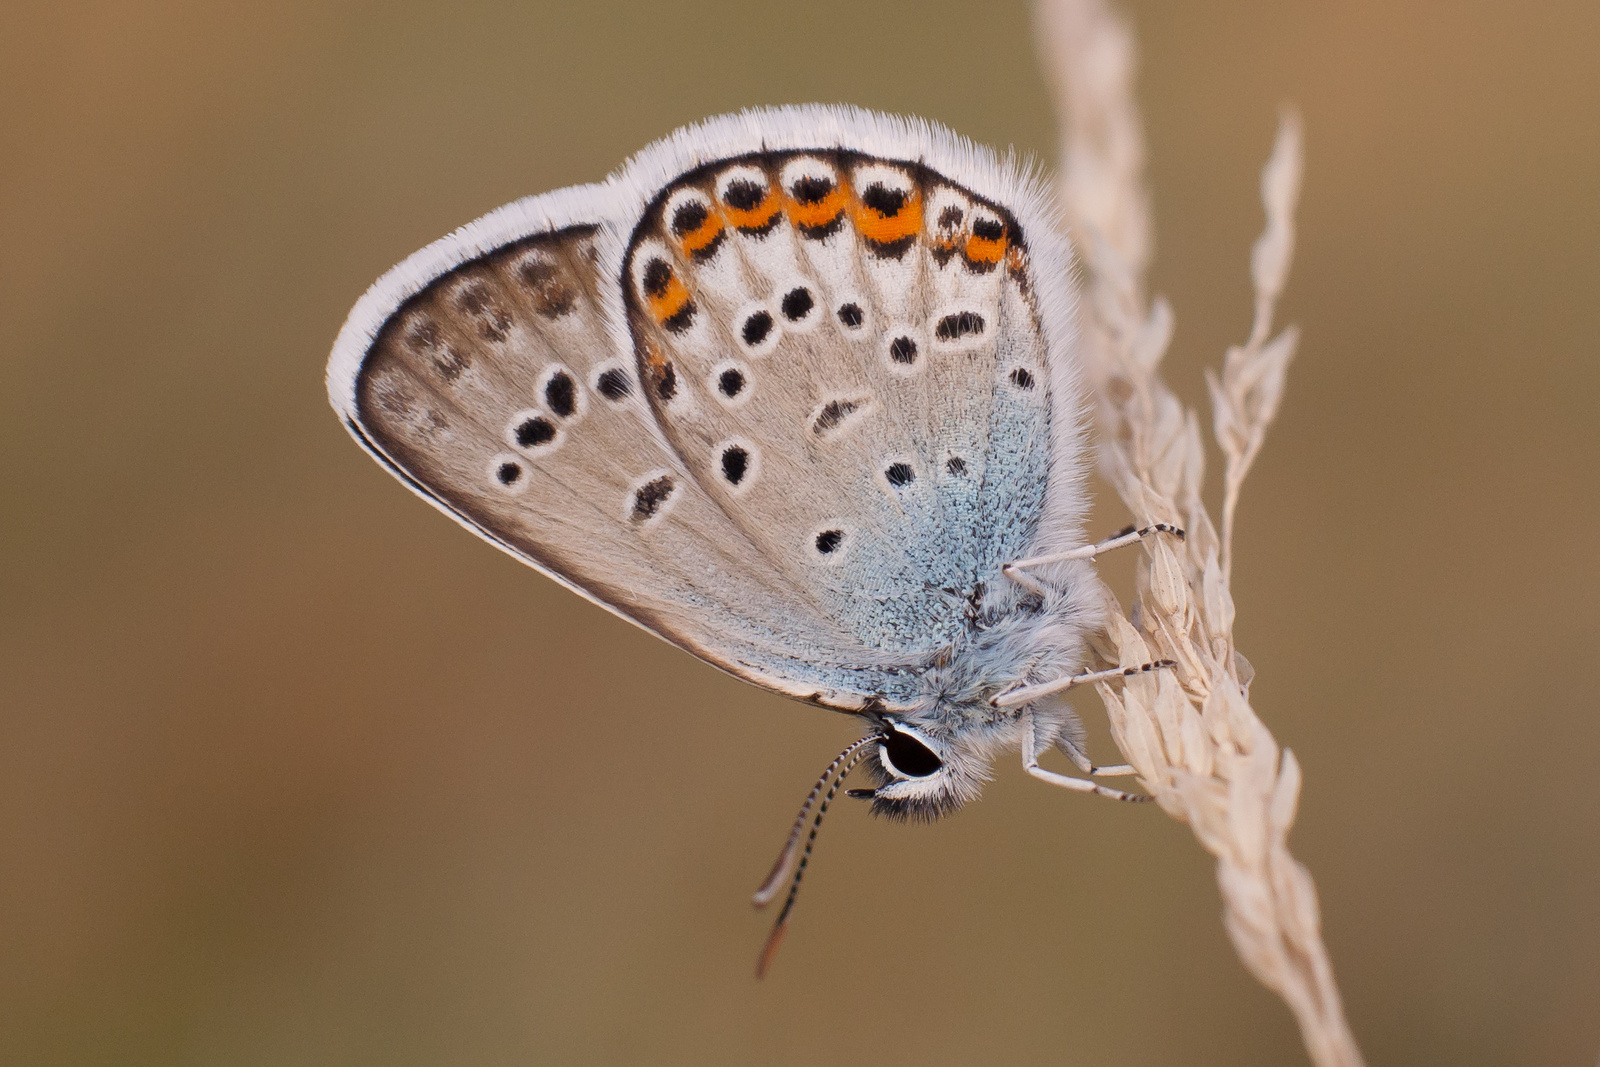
[[1190, 731]]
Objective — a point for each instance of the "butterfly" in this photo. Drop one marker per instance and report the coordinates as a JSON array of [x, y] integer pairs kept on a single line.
[[794, 389]]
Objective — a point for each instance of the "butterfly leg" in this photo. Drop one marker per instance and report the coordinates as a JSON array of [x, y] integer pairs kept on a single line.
[[1024, 694], [1030, 763], [1081, 758], [1016, 569]]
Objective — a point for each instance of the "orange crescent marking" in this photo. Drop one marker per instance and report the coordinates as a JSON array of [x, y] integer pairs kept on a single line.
[[876, 226], [756, 217], [671, 302], [704, 234], [985, 250], [821, 213]]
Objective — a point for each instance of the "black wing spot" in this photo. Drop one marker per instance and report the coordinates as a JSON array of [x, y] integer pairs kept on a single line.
[[988, 229], [649, 497], [657, 276], [614, 385], [689, 217], [832, 414], [895, 249], [810, 190], [667, 382], [959, 325], [756, 328], [851, 315], [903, 350], [900, 475], [956, 465], [508, 473], [883, 200], [1021, 378], [735, 464], [828, 541], [531, 433], [743, 194], [535, 272], [561, 394], [797, 304], [951, 217], [730, 383]]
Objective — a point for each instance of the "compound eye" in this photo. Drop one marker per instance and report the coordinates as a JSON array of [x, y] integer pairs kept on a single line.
[[903, 753]]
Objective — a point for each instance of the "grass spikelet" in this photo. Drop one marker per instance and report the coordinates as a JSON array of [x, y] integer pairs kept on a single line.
[[1190, 731]]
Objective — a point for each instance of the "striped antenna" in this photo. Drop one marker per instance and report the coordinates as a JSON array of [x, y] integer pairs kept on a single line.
[[791, 847], [855, 753]]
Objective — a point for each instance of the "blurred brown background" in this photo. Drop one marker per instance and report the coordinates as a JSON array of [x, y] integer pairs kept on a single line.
[[296, 772]]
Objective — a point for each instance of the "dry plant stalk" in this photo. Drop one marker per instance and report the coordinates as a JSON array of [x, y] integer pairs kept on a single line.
[[1189, 731]]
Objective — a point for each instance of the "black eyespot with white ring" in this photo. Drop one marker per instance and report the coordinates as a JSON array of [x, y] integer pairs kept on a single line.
[[738, 464], [508, 473], [650, 498], [902, 350], [798, 304], [730, 382], [829, 543], [560, 395], [757, 328], [534, 432], [613, 382], [850, 311]]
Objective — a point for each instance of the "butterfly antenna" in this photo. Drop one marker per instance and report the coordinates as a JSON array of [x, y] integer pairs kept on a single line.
[[791, 847], [855, 754]]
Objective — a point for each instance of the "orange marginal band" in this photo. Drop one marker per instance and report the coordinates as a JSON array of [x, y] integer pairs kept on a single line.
[[886, 229], [821, 213], [671, 299], [703, 236], [757, 217], [985, 249]]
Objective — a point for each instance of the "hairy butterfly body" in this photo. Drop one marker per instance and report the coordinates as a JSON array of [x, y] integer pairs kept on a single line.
[[790, 390]]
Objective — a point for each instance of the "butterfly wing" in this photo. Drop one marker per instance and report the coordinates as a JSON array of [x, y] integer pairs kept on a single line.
[[785, 402]]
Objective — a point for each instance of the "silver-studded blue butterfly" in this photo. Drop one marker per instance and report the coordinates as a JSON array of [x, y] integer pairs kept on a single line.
[[795, 390]]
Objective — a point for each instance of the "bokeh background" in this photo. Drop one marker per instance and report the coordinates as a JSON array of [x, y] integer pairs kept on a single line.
[[294, 771]]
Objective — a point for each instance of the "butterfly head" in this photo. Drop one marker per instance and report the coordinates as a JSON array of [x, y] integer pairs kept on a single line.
[[920, 776]]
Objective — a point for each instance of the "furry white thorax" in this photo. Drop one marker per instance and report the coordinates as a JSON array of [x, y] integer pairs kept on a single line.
[[1017, 637]]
